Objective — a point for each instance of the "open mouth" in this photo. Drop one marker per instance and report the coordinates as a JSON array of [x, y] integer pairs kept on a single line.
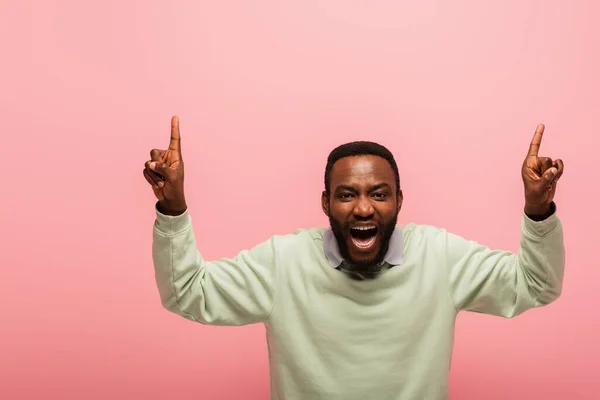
[[363, 237]]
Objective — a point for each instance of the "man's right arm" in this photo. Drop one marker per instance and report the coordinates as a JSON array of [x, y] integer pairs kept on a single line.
[[234, 291]]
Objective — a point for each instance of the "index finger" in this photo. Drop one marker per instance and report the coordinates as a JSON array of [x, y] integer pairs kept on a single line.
[[534, 147], [175, 143]]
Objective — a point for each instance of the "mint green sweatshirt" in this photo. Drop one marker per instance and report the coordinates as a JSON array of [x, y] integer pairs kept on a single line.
[[335, 338]]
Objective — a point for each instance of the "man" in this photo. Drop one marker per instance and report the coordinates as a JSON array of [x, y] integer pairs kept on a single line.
[[366, 308]]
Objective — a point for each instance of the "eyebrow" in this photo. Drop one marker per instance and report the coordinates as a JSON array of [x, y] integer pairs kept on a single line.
[[380, 186], [353, 190]]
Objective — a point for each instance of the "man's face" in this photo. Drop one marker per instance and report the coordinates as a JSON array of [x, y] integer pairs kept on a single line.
[[362, 207]]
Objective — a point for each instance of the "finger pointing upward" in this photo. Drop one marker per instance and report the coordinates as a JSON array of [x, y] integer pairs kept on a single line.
[[534, 147], [175, 143]]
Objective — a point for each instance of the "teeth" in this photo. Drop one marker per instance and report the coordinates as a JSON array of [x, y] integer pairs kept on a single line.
[[364, 245], [363, 228]]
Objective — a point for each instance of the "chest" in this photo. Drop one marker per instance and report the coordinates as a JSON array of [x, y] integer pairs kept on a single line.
[[404, 301]]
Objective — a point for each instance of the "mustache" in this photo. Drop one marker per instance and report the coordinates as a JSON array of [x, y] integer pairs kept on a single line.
[[348, 224]]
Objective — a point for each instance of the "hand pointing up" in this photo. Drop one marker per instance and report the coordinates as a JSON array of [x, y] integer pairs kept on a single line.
[[540, 177], [164, 171]]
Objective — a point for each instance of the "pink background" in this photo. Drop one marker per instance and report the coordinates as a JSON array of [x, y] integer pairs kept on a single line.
[[264, 92]]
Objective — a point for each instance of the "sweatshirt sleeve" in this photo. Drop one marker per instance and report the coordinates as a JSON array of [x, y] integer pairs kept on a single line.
[[233, 291], [503, 283]]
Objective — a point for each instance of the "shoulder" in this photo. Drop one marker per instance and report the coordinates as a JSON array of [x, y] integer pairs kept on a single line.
[[299, 238], [420, 230], [415, 234], [294, 246]]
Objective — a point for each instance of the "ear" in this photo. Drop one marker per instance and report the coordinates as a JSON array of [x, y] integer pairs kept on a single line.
[[399, 200], [325, 203]]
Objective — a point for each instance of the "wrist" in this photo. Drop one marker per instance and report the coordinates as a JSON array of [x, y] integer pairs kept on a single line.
[[540, 213], [171, 208]]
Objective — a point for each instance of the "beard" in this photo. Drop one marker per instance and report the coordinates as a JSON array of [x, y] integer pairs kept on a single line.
[[362, 269]]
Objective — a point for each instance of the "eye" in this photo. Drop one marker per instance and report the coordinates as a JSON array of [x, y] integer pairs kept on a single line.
[[346, 196], [379, 196]]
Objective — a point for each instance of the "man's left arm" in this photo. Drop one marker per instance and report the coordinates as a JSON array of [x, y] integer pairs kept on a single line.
[[503, 283], [506, 284]]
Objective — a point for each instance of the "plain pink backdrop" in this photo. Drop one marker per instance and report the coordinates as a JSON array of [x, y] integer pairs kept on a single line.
[[264, 91]]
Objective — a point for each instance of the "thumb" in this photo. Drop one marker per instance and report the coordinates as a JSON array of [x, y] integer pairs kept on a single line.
[[162, 169], [549, 176]]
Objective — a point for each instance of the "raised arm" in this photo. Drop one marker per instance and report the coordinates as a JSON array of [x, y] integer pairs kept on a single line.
[[234, 291], [506, 284]]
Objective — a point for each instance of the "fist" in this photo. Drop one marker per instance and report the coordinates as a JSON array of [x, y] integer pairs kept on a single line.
[[164, 172], [540, 177]]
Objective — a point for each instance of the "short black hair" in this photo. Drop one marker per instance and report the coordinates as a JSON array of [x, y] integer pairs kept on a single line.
[[360, 148]]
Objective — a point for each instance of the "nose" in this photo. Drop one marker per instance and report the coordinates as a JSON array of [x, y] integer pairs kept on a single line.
[[364, 208]]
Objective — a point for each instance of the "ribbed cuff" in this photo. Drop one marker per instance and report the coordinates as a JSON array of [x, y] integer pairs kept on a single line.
[[541, 228], [172, 224]]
